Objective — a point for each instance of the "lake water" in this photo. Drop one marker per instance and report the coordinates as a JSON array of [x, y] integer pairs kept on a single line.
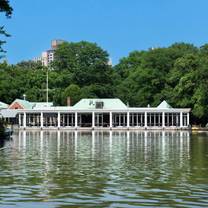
[[104, 169]]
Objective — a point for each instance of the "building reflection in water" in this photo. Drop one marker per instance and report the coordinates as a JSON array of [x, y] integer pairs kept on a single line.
[[76, 153], [162, 146], [45, 141], [113, 165]]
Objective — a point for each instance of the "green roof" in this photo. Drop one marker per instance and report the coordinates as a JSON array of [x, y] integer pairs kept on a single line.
[[30, 105], [164, 105], [3, 105], [108, 103], [41, 104], [24, 103]]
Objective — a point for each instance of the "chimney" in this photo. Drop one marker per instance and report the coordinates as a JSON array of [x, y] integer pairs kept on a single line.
[[68, 101]]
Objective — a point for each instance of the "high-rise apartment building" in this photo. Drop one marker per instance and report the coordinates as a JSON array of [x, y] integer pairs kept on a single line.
[[48, 56], [55, 43]]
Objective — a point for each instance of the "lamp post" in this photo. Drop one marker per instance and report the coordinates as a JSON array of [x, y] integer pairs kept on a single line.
[[24, 97]]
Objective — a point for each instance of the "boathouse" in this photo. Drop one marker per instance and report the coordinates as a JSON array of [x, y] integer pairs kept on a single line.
[[100, 113]]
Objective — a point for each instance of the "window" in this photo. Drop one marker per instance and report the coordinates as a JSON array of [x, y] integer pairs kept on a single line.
[[99, 105]]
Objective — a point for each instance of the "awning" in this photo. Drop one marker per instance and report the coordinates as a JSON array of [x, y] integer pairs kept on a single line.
[[8, 113]]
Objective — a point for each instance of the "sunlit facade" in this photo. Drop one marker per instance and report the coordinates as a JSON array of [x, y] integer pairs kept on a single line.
[[103, 113]]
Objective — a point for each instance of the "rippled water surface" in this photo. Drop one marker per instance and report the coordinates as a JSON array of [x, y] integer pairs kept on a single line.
[[104, 169]]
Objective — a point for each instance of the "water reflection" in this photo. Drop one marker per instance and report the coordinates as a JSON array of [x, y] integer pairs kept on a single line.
[[2, 142], [105, 169]]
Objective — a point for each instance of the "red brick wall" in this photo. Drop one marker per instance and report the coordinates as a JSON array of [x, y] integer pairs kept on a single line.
[[15, 106]]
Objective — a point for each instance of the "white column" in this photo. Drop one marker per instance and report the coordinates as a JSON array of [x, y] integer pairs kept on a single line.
[[41, 119], [188, 118], [111, 120], [76, 119], [24, 120], [163, 119], [176, 119], [128, 119], [93, 119], [20, 120], [181, 119], [145, 119], [59, 120]]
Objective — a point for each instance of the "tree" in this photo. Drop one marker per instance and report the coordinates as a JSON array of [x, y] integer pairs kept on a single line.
[[141, 87], [177, 74], [30, 65], [88, 65], [87, 62], [129, 63], [72, 91], [7, 9]]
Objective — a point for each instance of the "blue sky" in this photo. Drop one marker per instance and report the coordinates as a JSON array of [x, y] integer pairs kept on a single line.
[[118, 26]]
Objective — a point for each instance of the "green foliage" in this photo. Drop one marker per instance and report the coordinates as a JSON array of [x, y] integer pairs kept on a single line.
[[86, 74], [28, 65], [86, 66], [73, 91], [86, 61], [178, 74], [129, 63]]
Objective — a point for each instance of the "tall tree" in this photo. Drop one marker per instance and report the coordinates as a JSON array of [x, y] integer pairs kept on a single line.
[[7, 9], [88, 65]]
